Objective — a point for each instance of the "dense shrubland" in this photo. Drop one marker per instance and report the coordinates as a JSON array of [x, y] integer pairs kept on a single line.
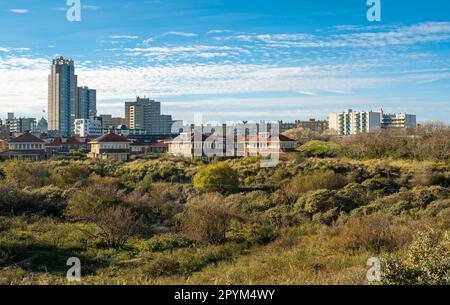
[[315, 218]]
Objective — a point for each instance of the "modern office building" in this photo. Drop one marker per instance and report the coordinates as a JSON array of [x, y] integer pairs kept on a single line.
[[118, 121], [110, 122], [106, 121], [146, 114], [42, 126], [86, 106], [88, 127], [62, 96], [27, 124], [399, 120], [354, 122]]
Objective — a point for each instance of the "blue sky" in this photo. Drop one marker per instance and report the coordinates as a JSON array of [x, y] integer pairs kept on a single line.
[[233, 60]]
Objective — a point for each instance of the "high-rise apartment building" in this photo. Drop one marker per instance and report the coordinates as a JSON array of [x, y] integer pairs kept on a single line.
[[354, 122], [399, 120], [27, 124], [62, 96], [86, 106], [146, 114]]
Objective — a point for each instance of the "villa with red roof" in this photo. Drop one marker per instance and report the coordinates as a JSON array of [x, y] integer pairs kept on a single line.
[[110, 146], [25, 146]]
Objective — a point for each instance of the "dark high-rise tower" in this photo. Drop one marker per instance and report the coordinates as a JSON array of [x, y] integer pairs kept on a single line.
[[62, 97], [86, 107]]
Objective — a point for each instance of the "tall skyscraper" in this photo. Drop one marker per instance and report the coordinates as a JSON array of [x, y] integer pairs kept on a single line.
[[86, 106], [62, 96], [146, 114]]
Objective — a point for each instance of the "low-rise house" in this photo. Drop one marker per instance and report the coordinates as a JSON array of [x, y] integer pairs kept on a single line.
[[148, 149], [110, 146], [187, 145], [25, 146]]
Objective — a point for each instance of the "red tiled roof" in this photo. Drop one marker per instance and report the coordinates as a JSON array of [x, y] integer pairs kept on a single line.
[[26, 138], [111, 137]]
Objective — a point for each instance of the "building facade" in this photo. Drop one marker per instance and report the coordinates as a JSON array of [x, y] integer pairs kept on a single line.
[[351, 122], [88, 127], [110, 146], [399, 120], [42, 126], [86, 106], [189, 146], [146, 114], [62, 96], [25, 146]]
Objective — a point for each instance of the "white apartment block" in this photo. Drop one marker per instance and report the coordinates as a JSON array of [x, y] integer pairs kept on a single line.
[[399, 120], [354, 122], [351, 122], [88, 127]]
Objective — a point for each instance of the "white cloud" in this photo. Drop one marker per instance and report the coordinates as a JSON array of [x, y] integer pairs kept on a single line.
[[212, 32], [8, 50], [182, 34], [124, 37], [385, 36], [19, 10], [90, 7], [148, 41]]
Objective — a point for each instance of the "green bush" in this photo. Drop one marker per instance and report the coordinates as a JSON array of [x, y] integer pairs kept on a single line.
[[169, 241], [220, 178], [319, 149], [252, 234], [206, 219], [316, 180], [162, 266], [426, 262]]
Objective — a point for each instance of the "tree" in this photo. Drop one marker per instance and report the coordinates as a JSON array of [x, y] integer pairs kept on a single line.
[[26, 173], [67, 176], [218, 177], [206, 219], [12, 199], [101, 205]]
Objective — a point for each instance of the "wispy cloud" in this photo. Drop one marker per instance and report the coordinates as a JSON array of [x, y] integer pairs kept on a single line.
[[385, 36], [90, 7], [124, 37], [181, 34], [19, 10]]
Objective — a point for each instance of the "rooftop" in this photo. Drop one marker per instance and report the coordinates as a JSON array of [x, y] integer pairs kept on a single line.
[[26, 138], [111, 137]]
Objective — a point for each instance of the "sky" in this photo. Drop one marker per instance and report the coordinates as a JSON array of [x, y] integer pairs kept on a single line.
[[233, 60]]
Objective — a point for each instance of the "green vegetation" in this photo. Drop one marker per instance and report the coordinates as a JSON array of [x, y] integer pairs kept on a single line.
[[315, 218]]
